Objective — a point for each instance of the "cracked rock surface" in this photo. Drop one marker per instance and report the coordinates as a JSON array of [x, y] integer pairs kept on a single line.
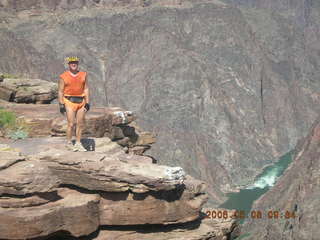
[[52, 190]]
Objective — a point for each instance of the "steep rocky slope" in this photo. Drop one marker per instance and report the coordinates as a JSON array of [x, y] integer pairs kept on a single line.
[[297, 193], [226, 88]]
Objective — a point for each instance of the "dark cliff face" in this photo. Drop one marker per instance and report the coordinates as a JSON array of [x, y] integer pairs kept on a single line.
[[52, 5], [226, 88], [297, 192]]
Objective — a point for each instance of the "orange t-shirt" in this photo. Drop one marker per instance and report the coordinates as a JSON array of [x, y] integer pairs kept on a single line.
[[74, 85]]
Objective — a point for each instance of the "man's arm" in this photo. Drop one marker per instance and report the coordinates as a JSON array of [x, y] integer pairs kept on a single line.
[[86, 90], [60, 96], [60, 91]]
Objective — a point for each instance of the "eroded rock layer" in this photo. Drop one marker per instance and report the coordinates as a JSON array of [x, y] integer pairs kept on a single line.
[[226, 87], [22, 90], [52, 190]]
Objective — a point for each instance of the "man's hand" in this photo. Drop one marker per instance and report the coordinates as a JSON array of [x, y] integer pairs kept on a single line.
[[62, 108], [87, 107]]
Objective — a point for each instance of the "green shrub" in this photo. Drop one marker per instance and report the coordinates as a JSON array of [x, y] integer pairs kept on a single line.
[[18, 134], [7, 75], [7, 119], [13, 127]]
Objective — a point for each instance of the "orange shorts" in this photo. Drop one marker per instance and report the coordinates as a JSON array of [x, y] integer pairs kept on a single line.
[[75, 106]]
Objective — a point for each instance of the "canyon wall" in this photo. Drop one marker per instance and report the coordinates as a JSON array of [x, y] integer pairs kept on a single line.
[[294, 200]]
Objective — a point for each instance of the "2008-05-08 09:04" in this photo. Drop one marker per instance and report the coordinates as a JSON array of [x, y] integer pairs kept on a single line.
[[254, 214]]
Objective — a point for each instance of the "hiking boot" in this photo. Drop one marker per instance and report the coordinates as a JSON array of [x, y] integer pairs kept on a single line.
[[69, 145], [79, 148]]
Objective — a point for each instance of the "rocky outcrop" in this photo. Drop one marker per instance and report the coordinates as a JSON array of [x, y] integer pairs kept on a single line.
[[9, 158], [225, 88], [47, 190], [206, 229], [295, 197], [74, 212], [114, 123], [116, 172], [165, 207], [22, 90]]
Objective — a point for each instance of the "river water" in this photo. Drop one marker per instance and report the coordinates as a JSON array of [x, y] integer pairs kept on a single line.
[[243, 200]]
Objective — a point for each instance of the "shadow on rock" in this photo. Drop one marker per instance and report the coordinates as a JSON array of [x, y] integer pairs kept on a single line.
[[89, 144]]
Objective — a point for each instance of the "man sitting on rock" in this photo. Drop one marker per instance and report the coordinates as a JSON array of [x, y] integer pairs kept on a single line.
[[74, 100]]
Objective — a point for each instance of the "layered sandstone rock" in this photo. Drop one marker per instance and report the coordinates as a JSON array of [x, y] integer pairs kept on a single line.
[[23, 90], [165, 207], [108, 171], [9, 158], [75, 212], [206, 229], [48, 190]]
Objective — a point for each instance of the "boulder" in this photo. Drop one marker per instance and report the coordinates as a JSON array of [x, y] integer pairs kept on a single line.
[[76, 213], [27, 177], [23, 90], [108, 172], [94, 171], [6, 94], [145, 138], [139, 150], [9, 157], [164, 207], [100, 121]]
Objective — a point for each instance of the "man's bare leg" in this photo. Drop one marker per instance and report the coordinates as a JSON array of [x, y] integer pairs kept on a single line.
[[71, 115], [80, 118], [79, 126]]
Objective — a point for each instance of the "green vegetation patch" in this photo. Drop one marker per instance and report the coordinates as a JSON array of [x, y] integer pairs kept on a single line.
[[7, 118], [11, 126], [243, 236], [7, 75]]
